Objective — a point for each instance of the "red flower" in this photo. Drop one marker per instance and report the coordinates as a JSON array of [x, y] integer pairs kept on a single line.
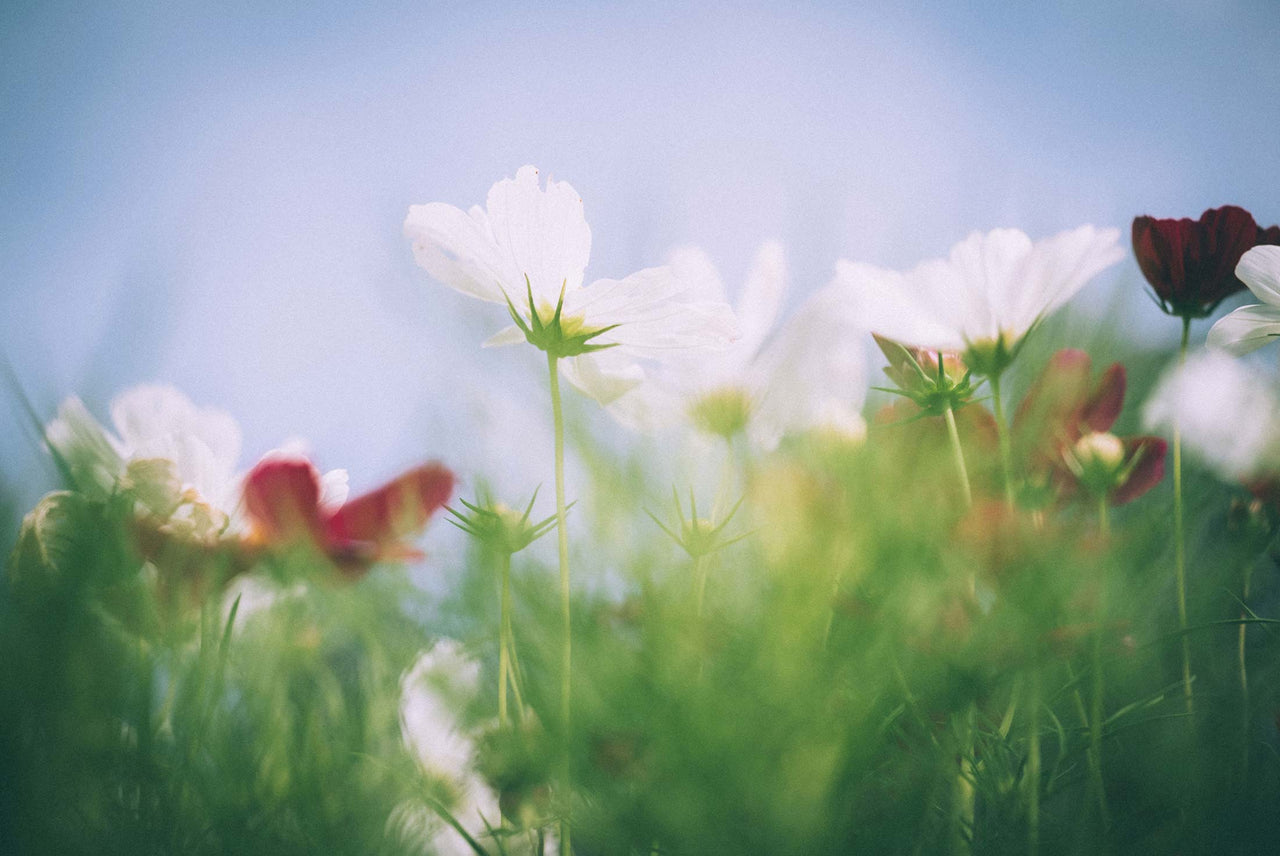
[[282, 498], [1065, 407], [1191, 263]]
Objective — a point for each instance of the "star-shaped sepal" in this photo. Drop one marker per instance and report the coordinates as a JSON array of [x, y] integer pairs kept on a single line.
[[558, 336], [935, 382]]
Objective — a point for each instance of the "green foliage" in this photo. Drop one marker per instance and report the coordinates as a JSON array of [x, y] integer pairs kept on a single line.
[[860, 664]]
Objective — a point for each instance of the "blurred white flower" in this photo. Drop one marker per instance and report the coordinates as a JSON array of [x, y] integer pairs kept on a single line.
[[528, 249], [808, 373], [178, 459], [985, 296], [1250, 327], [440, 684], [1227, 413]]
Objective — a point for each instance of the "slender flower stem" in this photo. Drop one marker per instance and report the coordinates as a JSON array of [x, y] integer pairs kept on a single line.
[[963, 802], [566, 664], [1096, 708], [1180, 538], [958, 451], [700, 584], [504, 642], [1244, 680], [1033, 765], [1002, 434]]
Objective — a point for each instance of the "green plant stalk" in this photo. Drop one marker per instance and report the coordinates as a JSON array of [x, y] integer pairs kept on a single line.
[[962, 811], [1002, 434], [1180, 538], [566, 663], [504, 642], [958, 451], [1096, 718], [1244, 680], [1033, 765]]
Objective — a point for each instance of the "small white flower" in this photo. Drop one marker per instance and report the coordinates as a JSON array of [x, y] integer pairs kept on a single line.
[[985, 296], [528, 249], [807, 373], [440, 684], [177, 458], [1250, 327], [1227, 413]]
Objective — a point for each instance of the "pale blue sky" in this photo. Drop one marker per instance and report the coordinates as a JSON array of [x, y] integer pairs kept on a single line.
[[212, 194]]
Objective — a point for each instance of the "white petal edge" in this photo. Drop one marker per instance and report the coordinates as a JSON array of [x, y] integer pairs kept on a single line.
[[1246, 329], [1259, 269]]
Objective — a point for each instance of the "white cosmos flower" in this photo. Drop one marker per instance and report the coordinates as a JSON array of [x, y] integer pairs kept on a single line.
[[532, 244], [1226, 411], [806, 373], [1250, 327], [986, 295]]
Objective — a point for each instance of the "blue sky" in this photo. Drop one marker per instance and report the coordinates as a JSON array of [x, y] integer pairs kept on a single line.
[[212, 194]]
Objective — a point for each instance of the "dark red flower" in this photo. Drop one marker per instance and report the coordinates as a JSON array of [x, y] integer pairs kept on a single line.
[[1191, 263], [282, 498], [1062, 431]]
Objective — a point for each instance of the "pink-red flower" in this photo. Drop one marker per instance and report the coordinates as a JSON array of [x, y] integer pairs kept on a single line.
[[282, 498], [1191, 263], [1063, 427]]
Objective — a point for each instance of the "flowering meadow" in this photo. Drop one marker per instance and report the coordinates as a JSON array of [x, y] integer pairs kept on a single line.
[[1009, 587]]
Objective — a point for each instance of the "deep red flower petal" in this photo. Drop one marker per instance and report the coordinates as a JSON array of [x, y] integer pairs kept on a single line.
[[1103, 406], [396, 510], [1147, 473], [1269, 236], [1190, 264], [282, 498]]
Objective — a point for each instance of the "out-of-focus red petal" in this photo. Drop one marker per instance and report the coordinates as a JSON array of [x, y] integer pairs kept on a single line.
[[394, 511], [282, 498], [1103, 406], [1147, 473], [1048, 414], [1269, 236]]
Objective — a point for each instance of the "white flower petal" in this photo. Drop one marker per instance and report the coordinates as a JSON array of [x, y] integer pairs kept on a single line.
[[1260, 270], [988, 270], [334, 490], [510, 335], [603, 375], [1246, 329], [1227, 414], [1059, 267], [904, 307], [816, 370], [694, 268], [762, 296], [158, 421], [649, 315], [542, 233], [459, 249]]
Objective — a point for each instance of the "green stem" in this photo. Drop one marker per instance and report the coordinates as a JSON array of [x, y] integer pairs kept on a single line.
[[504, 661], [1180, 537], [958, 451], [1244, 681], [700, 584], [566, 663], [1002, 434], [1033, 765], [1096, 702], [963, 797]]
